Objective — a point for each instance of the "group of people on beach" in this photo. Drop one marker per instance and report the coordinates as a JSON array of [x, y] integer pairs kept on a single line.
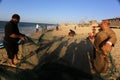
[[103, 41], [37, 28]]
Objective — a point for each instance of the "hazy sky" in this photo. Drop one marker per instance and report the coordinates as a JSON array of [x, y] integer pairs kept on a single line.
[[59, 11]]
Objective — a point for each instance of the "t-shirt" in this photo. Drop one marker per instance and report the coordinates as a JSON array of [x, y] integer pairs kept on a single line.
[[11, 28], [103, 36]]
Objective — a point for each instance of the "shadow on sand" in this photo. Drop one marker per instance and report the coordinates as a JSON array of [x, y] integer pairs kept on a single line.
[[73, 65]]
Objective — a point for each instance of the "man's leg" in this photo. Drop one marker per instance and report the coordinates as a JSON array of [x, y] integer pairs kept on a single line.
[[16, 60], [9, 48]]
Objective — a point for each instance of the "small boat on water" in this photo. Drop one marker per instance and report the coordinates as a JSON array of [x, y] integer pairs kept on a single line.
[[1, 44]]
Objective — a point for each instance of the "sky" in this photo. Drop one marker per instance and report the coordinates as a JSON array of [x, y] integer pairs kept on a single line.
[[59, 11]]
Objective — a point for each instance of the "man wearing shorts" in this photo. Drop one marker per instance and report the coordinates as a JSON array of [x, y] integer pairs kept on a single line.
[[12, 36]]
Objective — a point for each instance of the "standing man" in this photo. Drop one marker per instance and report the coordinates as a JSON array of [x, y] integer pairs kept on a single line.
[[12, 36], [37, 27], [104, 41]]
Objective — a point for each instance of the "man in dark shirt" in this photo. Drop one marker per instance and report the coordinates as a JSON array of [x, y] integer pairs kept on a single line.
[[12, 36]]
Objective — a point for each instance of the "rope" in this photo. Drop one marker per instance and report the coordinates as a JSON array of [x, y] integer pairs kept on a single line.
[[24, 52], [29, 39], [113, 67]]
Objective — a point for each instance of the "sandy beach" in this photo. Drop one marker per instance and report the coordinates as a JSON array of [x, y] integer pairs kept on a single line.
[[57, 47]]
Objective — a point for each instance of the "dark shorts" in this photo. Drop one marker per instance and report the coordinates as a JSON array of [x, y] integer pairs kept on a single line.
[[11, 48]]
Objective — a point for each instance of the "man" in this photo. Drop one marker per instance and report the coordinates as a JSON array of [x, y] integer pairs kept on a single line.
[[106, 37], [71, 33], [104, 41], [94, 31], [37, 28], [91, 37], [12, 36]]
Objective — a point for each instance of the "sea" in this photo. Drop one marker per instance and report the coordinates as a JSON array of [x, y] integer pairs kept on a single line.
[[26, 27]]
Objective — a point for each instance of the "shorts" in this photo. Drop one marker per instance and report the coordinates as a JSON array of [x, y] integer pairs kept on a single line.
[[11, 48]]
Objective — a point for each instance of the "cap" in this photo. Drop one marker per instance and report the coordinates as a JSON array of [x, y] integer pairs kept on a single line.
[[16, 16]]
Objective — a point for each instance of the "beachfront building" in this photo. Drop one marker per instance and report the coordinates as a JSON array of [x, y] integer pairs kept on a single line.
[[114, 22]]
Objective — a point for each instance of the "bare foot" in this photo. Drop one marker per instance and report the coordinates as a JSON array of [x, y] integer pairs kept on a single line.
[[16, 61], [10, 63]]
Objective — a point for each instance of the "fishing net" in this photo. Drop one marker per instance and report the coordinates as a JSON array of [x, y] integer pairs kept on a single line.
[[36, 53]]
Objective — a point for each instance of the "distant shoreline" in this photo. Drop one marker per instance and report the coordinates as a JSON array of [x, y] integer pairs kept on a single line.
[[26, 28]]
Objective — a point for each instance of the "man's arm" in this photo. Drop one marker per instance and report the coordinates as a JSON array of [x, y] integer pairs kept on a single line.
[[110, 42], [22, 37], [112, 38]]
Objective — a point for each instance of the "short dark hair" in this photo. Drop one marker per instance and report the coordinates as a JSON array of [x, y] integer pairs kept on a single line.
[[16, 16]]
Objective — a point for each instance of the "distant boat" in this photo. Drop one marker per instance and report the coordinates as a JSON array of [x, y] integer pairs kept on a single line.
[[1, 45]]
